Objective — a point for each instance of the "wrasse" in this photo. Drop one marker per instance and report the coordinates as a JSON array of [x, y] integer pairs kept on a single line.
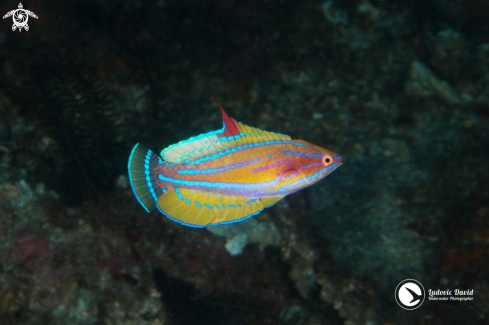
[[226, 175]]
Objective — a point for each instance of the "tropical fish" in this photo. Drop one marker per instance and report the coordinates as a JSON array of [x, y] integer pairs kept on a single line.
[[227, 175]]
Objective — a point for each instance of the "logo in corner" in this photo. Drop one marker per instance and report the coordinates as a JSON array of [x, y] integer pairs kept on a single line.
[[409, 294], [20, 17]]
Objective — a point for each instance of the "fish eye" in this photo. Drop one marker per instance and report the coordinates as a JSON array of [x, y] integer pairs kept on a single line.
[[327, 160]]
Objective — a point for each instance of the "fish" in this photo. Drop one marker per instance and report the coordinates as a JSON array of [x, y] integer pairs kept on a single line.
[[227, 175]]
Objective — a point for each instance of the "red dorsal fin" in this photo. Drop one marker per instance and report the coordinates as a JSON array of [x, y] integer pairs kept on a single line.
[[231, 125]]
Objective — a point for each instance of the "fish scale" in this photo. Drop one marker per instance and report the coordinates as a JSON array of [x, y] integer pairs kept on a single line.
[[227, 175]]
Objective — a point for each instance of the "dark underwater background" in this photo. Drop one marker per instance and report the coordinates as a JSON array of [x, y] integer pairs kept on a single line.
[[399, 88]]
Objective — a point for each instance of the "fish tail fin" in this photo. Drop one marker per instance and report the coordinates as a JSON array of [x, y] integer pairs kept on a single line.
[[142, 176]]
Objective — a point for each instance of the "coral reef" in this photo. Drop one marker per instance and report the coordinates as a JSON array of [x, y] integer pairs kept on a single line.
[[264, 233]]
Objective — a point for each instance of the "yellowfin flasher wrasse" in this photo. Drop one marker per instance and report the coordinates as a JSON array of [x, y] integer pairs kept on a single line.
[[226, 175]]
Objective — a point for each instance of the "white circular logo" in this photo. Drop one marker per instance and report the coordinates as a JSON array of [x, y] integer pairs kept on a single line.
[[20, 17], [409, 294]]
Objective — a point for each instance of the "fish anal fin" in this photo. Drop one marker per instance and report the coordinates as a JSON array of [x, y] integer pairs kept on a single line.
[[199, 209], [270, 200]]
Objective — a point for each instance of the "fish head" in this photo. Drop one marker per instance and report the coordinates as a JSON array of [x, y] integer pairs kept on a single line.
[[309, 164], [328, 158], [316, 159]]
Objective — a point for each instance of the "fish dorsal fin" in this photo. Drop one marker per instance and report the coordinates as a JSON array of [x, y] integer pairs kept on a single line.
[[199, 209], [231, 136]]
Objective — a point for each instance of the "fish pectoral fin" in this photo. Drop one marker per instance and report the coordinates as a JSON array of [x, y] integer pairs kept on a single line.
[[290, 171], [199, 209], [270, 200]]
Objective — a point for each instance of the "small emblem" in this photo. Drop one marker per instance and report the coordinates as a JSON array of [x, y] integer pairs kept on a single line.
[[410, 294], [20, 16]]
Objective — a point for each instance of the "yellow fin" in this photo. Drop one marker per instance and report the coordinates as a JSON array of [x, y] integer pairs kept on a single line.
[[254, 135], [232, 136], [199, 209], [270, 200], [213, 144]]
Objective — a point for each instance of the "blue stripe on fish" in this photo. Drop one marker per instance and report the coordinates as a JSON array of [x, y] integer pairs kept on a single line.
[[196, 162], [216, 170], [179, 195], [230, 138], [311, 165], [301, 154], [218, 184]]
